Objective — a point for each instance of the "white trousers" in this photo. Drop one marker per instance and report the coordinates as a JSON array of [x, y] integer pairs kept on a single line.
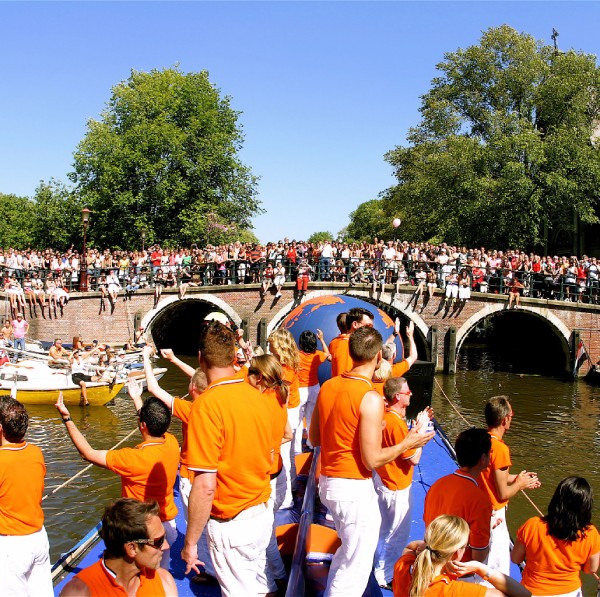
[[395, 508], [353, 506], [308, 402], [499, 556], [171, 536], [287, 457], [239, 552], [185, 487], [273, 556], [25, 565]]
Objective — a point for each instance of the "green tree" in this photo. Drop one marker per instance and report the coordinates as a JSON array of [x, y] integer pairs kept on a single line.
[[16, 218], [163, 158], [57, 221], [369, 221], [503, 153], [320, 237]]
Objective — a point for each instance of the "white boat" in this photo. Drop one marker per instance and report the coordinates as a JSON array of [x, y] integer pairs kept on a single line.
[[33, 381]]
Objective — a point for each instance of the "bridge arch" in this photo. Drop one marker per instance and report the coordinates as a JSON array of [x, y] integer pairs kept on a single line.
[[551, 321], [165, 321]]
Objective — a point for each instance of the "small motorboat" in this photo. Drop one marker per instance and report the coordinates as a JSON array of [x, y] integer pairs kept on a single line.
[[35, 382], [138, 374]]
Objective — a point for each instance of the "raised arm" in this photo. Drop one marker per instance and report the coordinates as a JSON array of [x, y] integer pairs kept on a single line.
[[134, 389], [97, 457], [153, 386], [323, 344], [167, 353], [412, 347]]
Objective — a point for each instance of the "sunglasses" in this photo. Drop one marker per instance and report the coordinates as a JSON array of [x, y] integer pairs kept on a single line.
[[156, 543]]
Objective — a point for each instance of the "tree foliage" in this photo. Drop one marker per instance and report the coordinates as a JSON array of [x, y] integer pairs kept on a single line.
[[57, 221], [320, 237], [369, 221], [16, 217], [163, 159], [503, 153]]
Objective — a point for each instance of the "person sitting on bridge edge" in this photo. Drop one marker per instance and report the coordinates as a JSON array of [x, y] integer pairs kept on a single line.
[[134, 541]]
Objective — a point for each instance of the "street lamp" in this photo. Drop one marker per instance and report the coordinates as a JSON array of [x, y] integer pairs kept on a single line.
[[85, 218], [143, 239]]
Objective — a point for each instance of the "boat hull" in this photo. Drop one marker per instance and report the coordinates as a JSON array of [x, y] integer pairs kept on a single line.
[[97, 395]]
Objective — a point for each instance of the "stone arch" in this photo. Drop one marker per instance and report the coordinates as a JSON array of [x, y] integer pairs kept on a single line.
[[169, 301], [544, 314]]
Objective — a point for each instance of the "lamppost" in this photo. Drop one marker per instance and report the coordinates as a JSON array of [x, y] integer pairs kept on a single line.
[[143, 239], [85, 218]]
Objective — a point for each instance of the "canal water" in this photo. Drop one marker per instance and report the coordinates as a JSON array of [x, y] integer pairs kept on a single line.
[[554, 432]]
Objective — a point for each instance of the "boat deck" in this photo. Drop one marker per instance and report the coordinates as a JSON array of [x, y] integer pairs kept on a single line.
[[436, 462]]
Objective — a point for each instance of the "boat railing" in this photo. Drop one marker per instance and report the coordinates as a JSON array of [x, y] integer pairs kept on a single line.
[[63, 564], [297, 581]]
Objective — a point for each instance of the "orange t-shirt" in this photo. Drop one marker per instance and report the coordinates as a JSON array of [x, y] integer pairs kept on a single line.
[[553, 565], [441, 586], [102, 582], [291, 377], [339, 413], [230, 433], [148, 471], [341, 362], [182, 410], [398, 474], [459, 494], [22, 472], [499, 458], [399, 369], [308, 373]]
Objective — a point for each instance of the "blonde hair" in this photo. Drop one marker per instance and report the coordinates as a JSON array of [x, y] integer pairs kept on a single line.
[[271, 375], [383, 371], [283, 344], [443, 538]]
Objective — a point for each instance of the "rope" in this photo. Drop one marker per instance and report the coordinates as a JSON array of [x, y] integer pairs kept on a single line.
[[468, 423], [87, 468]]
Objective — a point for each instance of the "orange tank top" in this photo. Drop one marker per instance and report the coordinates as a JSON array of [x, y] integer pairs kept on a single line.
[[339, 413], [102, 582], [291, 377]]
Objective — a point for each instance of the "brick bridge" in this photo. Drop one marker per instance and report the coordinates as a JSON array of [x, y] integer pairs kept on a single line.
[[440, 333]]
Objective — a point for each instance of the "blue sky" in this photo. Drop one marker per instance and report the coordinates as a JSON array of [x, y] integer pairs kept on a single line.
[[326, 88]]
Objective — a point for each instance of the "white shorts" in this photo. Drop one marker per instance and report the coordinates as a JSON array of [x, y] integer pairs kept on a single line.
[[451, 291], [464, 292], [279, 280], [25, 565], [238, 549]]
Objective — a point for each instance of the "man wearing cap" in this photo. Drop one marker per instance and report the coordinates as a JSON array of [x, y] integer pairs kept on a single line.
[[20, 327]]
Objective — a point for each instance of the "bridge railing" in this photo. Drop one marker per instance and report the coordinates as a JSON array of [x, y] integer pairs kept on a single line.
[[350, 271]]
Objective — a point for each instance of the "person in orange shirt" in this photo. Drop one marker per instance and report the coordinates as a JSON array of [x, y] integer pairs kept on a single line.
[[393, 482], [308, 377], [266, 374], [230, 456], [347, 424], [283, 346], [340, 321], [24, 559], [561, 544], [356, 318], [460, 493], [182, 409], [498, 483], [430, 568], [147, 471], [134, 541]]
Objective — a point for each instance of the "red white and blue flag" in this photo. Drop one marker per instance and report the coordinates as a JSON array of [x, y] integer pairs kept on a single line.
[[580, 356]]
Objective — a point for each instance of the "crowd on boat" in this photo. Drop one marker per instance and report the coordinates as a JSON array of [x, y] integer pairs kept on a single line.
[[242, 430], [43, 279]]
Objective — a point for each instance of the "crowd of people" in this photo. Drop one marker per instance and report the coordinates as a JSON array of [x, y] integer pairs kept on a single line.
[[44, 278], [245, 423]]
